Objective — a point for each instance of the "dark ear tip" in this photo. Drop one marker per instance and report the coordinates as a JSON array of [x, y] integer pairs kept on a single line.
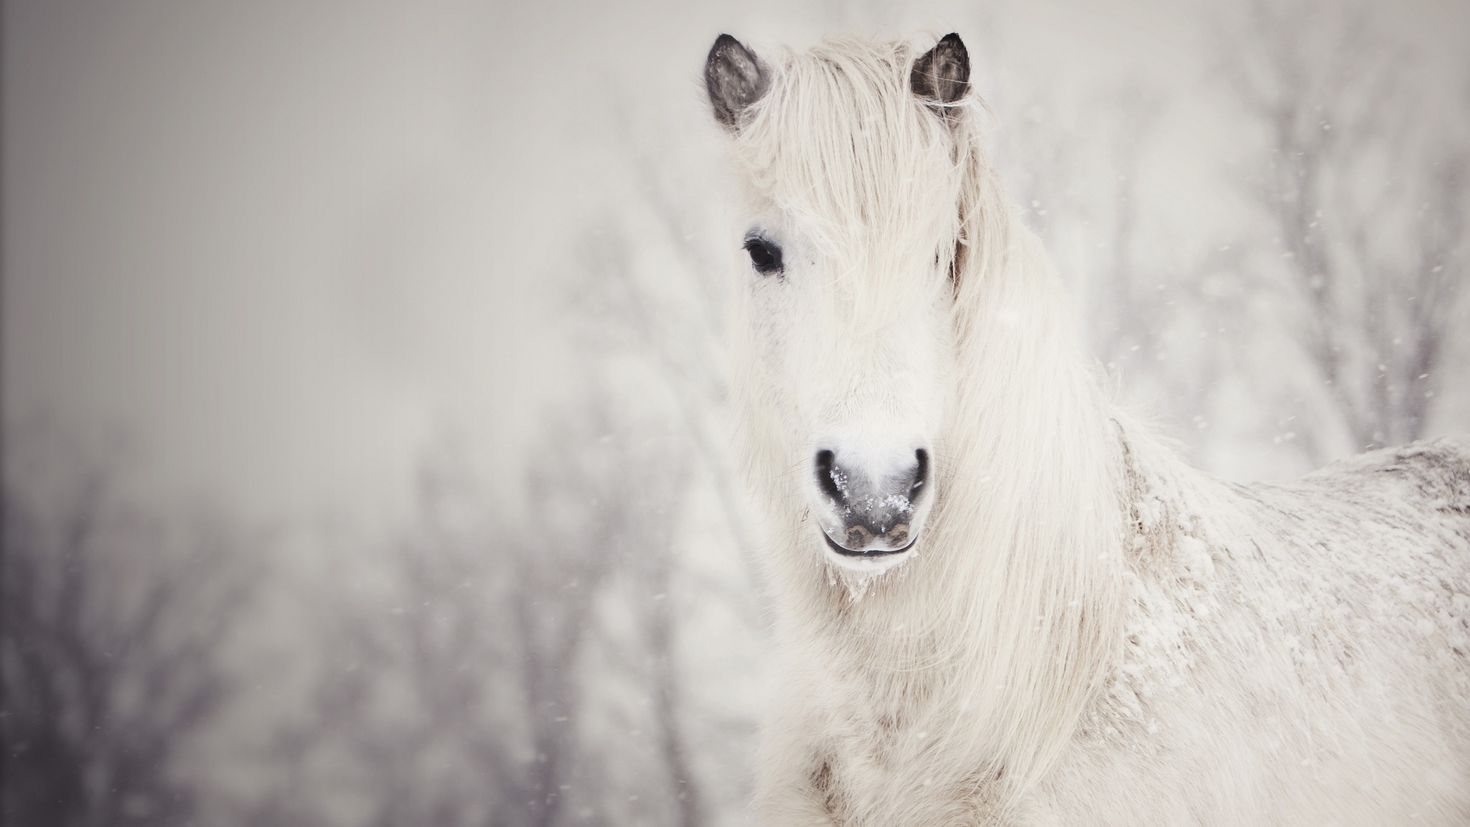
[[725, 44]]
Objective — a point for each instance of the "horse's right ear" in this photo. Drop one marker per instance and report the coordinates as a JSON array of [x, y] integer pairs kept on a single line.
[[735, 79], [941, 76]]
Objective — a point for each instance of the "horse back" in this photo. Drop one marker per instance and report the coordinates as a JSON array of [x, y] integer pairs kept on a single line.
[[1432, 475], [1415, 495]]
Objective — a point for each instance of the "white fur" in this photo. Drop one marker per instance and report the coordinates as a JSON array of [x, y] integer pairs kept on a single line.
[[1087, 631]]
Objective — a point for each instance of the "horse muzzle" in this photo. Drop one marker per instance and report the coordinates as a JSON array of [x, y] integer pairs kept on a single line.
[[871, 510]]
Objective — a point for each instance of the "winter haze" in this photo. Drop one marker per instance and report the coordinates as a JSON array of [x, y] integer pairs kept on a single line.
[[366, 436]]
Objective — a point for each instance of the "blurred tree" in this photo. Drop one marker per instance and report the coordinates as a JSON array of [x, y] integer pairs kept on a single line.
[[459, 692], [109, 645], [1366, 195]]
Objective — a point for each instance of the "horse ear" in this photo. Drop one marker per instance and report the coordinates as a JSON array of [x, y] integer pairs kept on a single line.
[[942, 75], [735, 79]]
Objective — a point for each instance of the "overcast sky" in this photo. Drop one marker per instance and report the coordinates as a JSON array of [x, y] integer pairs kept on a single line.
[[279, 247]]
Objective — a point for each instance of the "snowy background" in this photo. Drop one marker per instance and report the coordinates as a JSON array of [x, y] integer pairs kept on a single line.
[[366, 444]]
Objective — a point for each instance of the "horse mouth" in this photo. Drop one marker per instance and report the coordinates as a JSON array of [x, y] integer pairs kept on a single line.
[[877, 552]]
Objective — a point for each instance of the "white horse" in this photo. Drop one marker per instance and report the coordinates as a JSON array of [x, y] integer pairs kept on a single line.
[[998, 599]]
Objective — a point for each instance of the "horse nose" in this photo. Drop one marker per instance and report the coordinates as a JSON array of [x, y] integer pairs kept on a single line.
[[874, 506]]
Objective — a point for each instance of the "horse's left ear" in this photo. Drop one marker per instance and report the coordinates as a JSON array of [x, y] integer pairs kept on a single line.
[[941, 76]]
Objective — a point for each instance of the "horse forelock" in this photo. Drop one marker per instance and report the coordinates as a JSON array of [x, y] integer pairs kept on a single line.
[[841, 145]]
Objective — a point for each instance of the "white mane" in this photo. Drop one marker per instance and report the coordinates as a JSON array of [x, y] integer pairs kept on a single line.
[[1025, 659]]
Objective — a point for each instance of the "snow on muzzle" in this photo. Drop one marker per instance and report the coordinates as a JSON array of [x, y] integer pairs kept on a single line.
[[871, 509]]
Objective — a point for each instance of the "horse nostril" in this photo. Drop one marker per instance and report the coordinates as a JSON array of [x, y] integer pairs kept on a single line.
[[921, 474], [829, 477]]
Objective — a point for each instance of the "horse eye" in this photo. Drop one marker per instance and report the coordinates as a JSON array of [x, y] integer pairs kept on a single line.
[[765, 257]]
